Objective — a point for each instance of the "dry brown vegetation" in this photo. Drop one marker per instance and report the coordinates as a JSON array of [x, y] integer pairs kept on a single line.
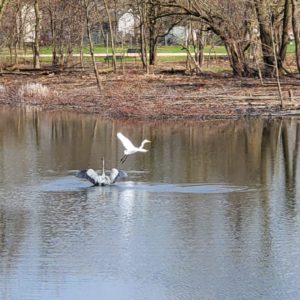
[[169, 94]]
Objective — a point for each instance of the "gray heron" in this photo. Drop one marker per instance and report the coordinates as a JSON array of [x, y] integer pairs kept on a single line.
[[92, 176]]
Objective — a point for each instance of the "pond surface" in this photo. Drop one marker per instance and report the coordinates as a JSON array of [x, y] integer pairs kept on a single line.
[[210, 212]]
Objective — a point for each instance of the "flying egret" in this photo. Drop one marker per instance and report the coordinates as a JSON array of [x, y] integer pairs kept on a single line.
[[102, 179], [130, 148]]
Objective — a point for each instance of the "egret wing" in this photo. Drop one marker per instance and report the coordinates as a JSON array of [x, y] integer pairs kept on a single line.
[[125, 141]]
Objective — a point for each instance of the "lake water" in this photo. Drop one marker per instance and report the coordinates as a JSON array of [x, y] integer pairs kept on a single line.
[[210, 212]]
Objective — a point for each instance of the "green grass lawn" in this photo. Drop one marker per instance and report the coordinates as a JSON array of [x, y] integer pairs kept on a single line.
[[179, 49], [103, 49], [291, 47], [215, 49], [161, 49]]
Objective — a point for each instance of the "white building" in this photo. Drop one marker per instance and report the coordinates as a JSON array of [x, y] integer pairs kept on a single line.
[[126, 24], [28, 23], [178, 35]]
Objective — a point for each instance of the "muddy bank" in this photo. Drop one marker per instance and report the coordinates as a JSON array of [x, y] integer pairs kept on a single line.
[[166, 95]]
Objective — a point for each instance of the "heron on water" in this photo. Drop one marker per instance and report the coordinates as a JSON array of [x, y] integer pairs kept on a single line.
[[92, 176], [129, 147]]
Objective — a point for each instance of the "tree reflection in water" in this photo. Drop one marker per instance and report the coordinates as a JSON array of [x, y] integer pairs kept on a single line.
[[251, 230]]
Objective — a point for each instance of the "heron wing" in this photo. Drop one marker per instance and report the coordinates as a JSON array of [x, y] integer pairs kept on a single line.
[[89, 174], [125, 141], [122, 174], [116, 174]]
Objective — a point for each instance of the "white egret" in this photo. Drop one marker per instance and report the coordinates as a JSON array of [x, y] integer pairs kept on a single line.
[[102, 179], [129, 147]]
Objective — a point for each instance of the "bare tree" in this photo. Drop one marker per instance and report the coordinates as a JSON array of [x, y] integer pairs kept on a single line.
[[3, 4], [142, 11], [12, 32], [296, 30], [229, 20], [36, 45], [87, 6], [65, 24], [273, 20], [53, 24], [285, 33], [194, 45], [155, 24], [112, 36]]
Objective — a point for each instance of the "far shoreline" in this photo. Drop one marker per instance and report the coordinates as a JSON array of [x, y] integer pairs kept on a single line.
[[160, 97]]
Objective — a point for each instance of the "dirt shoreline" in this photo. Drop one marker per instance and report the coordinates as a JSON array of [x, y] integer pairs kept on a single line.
[[155, 97]]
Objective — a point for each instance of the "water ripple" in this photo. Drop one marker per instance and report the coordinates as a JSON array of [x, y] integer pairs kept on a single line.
[[69, 183]]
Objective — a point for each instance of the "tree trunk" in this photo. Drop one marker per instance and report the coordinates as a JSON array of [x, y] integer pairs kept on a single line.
[[16, 54], [19, 31], [153, 38], [296, 31], [69, 54], [10, 54], [238, 59], [200, 44], [276, 67], [264, 20], [235, 61], [143, 34], [105, 41], [285, 34], [91, 44], [143, 47], [36, 46], [81, 47], [152, 48], [112, 37], [193, 42], [53, 34]]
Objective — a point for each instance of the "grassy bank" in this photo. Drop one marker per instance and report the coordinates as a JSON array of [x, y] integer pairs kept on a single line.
[[104, 50]]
